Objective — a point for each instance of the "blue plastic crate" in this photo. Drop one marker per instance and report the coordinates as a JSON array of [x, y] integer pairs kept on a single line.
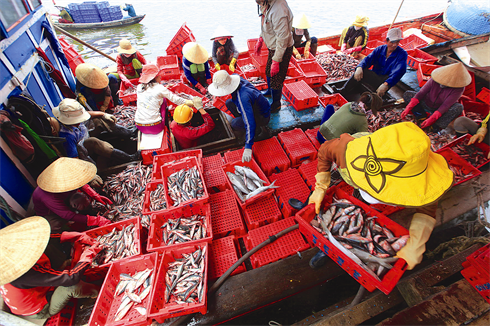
[[102, 4], [104, 11], [116, 16], [73, 6]]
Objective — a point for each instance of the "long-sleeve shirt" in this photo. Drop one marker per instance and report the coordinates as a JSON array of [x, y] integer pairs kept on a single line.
[[350, 34], [344, 120], [73, 135], [230, 49], [128, 69], [276, 26], [187, 136], [186, 66], [47, 203], [438, 98], [131, 12], [149, 102], [394, 66], [298, 39]]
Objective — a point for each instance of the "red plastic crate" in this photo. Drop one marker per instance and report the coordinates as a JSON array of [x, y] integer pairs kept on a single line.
[[251, 46], [212, 162], [249, 73], [285, 246], [371, 45], [302, 51], [147, 155], [454, 160], [74, 62], [129, 99], [478, 280], [151, 186], [417, 56], [389, 280], [291, 185], [484, 95], [270, 156], [65, 316], [225, 215], [315, 76], [348, 189], [160, 160], [308, 172], [182, 88], [413, 42], [215, 181], [219, 102], [297, 146], [222, 255], [169, 67], [311, 134], [230, 167], [300, 95], [107, 302], [261, 212], [470, 90], [423, 73], [232, 156], [475, 106], [155, 238], [183, 35], [463, 140], [480, 259], [293, 76], [260, 61], [334, 99], [159, 310]]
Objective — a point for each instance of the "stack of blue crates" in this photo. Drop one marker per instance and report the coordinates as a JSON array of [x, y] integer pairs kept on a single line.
[[94, 12], [75, 12], [90, 13], [116, 12], [104, 13]]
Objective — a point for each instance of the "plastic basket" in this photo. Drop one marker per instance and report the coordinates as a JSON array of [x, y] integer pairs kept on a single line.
[[480, 259], [297, 146], [315, 75], [261, 212], [183, 35], [232, 156], [251, 46], [311, 134], [270, 156], [160, 160], [225, 215], [300, 95], [484, 95], [461, 143], [302, 51], [65, 317], [222, 255], [182, 88], [249, 73], [159, 310], [389, 280], [147, 155], [456, 162], [291, 185], [417, 56], [130, 98], [336, 100], [475, 106], [107, 302], [413, 42], [371, 45], [260, 61], [477, 279], [212, 162], [219, 102], [423, 73], [215, 181], [289, 244], [294, 75], [150, 187], [308, 172], [169, 67]]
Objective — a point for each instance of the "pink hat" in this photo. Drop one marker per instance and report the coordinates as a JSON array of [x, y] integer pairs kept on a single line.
[[149, 72]]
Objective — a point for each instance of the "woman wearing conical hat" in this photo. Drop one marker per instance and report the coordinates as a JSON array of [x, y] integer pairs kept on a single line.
[[224, 50], [195, 66], [300, 30], [355, 37], [93, 87], [436, 104]]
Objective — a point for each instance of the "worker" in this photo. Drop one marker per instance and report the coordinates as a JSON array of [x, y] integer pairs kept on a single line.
[[479, 133], [56, 184], [310, 44], [65, 16], [389, 62], [71, 116], [355, 37], [152, 101], [93, 88], [436, 104], [195, 66], [276, 26], [29, 283], [185, 134], [224, 50], [130, 9], [249, 106]]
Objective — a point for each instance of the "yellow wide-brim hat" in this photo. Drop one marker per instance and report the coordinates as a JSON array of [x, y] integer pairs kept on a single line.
[[66, 174], [360, 21], [301, 22], [91, 76], [195, 53], [454, 75], [125, 47], [21, 246], [396, 166]]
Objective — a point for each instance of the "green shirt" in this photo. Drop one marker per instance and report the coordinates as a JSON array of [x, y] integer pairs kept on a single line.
[[345, 120]]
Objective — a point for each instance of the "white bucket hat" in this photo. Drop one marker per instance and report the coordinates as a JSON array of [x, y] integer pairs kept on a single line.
[[394, 34], [220, 32], [70, 112], [223, 84]]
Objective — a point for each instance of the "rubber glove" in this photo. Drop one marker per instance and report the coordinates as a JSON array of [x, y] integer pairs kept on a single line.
[[409, 108], [247, 155], [356, 49], [126, 81], [258, 46], [217, 66], [307, 54], [197, 102], [358, 74], [232, 65], [479, 136], [201, 89], [89, 253], [274, 68], [382, 89], [109, 117], [307, 49], [97, 220], [77, 236], [189, 103], [296, 53], [343, 47], [94, 195], [430, 120], [96, 181], [420, 229], [321, 186]]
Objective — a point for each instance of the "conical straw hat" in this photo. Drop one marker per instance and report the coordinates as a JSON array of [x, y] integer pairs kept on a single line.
[[220, 32], [454, 75], [195, 53], [301, 22], [91, 76], [66, 174], [125, 47], [21, 246]]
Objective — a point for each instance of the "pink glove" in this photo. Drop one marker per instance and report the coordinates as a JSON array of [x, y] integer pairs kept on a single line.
[[77, 236], [344, 47], [409, 107], [201, 89], [430, 120], [94, 195], [89, 253], [274, 68], [125, 81], [97, 220], [356, 49], [258, 46]]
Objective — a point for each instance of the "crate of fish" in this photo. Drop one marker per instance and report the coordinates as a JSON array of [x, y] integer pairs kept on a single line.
[[291, 185], [128, 94], [184, 184], [186, 92], [300, 95], [262, 212], [223, 253], [125, 296], [169, 67], [258, 82], [247, 181], [65, 317], [354, 241], [182, 226], [147, 155], [248, 68], [417, 56], [476, 154], [225, 215], [336, 100], [155, 199], [160, 160], [270, 156], [484, 95], [311, 134], [463, 171], [181, 282], [289, 244], [308, 172], [183, 36], [315, 76], [301, 51], [297, 146], [423, 73], [234, 155], [294, 75]]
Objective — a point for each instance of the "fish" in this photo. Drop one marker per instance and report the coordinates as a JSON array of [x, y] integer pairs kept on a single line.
[[116, 245], [185, 185], [144, 293], [133, 297], [237, 182], [260, 190], [157, 198], [184, 229], [121, 313], [249, 173], [141, 310], [366, 257]]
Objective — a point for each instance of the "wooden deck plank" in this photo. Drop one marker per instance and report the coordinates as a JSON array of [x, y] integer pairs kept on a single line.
[[484, 319]]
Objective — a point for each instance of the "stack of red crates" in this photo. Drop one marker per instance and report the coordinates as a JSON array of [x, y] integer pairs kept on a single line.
[[311, 134], [213, 174], [300, 95], [225, 215], [297, 146], [222, 255], [417, 56], [308, 172], [476, 271], [270, 156], [291, 185], [183, 36], [261, 212], [169, 67]]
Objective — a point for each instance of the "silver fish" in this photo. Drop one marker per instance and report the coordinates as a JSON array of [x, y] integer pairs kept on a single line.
[[261, 189], [237, 182], [366, 257], [145, 293], [141, 310], [249, 173], [120, 314]]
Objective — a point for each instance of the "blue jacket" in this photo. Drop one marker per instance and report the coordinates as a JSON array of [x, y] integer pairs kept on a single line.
[[129, 8], [395, 66], [245, 97], [186, 64]]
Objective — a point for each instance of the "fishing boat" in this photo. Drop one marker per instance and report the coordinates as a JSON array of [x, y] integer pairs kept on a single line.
[[115, 23]]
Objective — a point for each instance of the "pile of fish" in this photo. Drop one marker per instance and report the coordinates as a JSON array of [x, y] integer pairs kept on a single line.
[[184, 280], [256, 80], [438, 140], [474, 116], [145, 221], [459, 174], [373, 244], [170, 82], [472, 154], [248, 67], [128, 91], [183, 229], [185, 185], [117, 244], [157, 198], [134, 289], [247, 183], [338, 66], [125, 115], [185, 96], [385, 118]]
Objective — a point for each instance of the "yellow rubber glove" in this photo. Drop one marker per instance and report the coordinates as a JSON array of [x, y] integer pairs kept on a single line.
[[307, 50], [232, 65], [420, 229], [296, 53], [189, 103], [321, 186], [479, 136], [217, 66]]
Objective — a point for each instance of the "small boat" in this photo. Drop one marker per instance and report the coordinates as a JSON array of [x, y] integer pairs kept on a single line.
[[114, 23]]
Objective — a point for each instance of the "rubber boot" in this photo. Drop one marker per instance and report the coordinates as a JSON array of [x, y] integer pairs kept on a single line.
[[318, 260], [123, 132], [276, 100], [268, 92], [114, 85], [120, 157], [329, 111], [263, 133]]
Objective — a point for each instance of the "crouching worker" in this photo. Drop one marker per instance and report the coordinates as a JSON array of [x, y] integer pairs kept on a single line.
[[30, 286]]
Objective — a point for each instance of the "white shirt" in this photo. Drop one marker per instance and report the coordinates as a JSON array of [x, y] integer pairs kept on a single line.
[[150, 101]]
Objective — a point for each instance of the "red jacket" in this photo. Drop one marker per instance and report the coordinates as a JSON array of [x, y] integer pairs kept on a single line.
[[128, 68], [187, 135]]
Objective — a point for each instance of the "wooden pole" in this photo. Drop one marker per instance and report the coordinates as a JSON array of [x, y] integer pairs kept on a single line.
[[84, 43], [396, 14]]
